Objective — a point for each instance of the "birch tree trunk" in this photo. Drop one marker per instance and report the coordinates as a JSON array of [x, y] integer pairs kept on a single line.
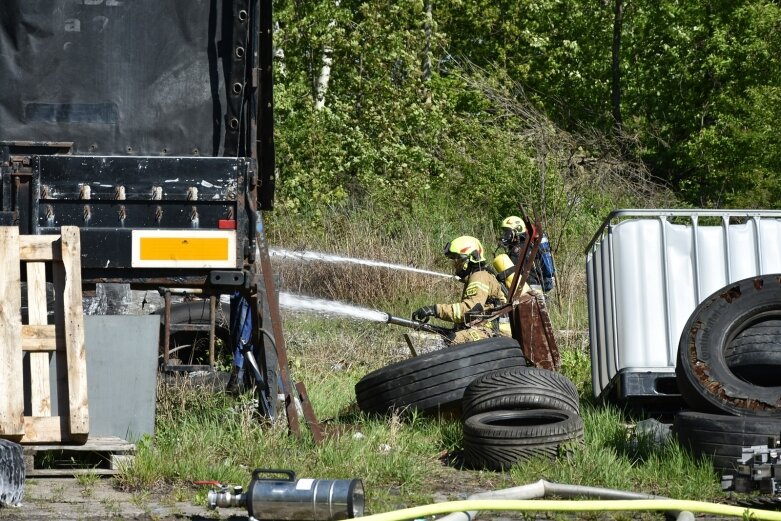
[[326, 61], [279, 54], [427, 52], [616, 65]]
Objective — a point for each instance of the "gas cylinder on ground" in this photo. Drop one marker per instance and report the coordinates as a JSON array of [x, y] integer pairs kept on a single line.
[[280, 495]]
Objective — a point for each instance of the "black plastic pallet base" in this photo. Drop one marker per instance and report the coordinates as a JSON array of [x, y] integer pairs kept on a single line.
[[653, 393]]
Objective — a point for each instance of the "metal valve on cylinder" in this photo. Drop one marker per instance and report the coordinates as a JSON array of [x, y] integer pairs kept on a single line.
[[285, 497]]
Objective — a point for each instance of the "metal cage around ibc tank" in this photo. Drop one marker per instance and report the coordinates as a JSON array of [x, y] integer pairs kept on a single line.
[[646, 271]]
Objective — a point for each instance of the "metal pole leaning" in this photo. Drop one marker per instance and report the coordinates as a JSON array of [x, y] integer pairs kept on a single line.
[[276, 328], [279, 345]]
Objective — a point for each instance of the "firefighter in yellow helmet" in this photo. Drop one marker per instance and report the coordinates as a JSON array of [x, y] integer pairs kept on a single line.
[[482, 292], [513, 239]]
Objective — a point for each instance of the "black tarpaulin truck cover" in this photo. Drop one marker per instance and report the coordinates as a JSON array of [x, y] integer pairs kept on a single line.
[[117, 77]]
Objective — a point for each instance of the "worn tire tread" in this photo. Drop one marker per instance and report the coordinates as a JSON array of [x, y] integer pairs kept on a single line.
[[435, 379], [518, 389]]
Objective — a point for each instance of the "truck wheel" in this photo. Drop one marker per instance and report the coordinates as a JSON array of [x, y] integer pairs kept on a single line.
[[722, 437], [520, 388], [11, 473], [497, 440], [187, 345], [719, 325], [435, 380]]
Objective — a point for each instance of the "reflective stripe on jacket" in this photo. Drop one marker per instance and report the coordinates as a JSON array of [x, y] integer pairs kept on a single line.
[[480, 287]]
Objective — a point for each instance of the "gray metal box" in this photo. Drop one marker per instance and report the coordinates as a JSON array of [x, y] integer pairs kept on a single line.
[[122, 353]]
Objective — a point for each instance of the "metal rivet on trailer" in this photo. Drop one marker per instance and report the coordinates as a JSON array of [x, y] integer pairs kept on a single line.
[[192, 193], [157, 193], [243, 15], [237, 87], [234, 123], [119, 193], [85, 192], [239, 52]]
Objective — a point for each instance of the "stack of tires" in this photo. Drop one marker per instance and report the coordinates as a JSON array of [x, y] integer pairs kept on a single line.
[[516, 414], [728, 371], [435, 382]]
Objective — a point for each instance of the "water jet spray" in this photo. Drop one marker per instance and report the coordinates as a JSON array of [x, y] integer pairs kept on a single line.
[[325, 257]]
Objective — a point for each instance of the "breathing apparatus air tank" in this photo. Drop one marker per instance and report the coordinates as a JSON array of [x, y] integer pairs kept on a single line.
[[506, 270], [503, 263]]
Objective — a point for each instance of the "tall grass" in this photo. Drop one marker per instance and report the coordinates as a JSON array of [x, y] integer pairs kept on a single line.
[[412, 240]]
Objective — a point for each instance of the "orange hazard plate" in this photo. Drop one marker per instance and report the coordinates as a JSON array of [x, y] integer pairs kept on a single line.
[[184, 249]]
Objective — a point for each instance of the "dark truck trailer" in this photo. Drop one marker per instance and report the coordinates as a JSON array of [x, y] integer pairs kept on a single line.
[[149, 125], [138, 121]]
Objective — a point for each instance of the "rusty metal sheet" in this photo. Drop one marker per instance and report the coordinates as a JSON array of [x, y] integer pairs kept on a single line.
[[532, 329]]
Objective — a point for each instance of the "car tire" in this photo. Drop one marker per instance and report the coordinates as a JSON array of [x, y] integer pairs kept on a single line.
[[520, 388], [435, 380], [497, 440], [721, 437], [703, 374], [11, 473]]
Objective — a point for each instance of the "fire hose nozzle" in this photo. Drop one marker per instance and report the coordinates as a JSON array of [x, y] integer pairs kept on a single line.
[[414, 324], [226, 497], [404, 322]]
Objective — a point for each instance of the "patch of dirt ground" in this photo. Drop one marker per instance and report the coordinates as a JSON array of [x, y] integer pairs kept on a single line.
[[70, 499]]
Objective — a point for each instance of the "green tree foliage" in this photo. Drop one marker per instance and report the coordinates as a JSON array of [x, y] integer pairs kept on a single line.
[[697, 80], [376, 136], [736, 156], [518, 106], [696, 74], [559, 50], [465, 139]]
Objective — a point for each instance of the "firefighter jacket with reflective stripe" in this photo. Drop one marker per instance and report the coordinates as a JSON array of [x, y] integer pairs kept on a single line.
[[480, 287]]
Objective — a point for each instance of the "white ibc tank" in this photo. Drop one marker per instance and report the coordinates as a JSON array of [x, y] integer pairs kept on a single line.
[[648, 269]]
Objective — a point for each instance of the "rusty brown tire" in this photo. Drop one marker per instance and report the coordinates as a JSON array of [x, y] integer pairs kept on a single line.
[[720, 437], [497, 440], [520, 388], [703, 373], [436, 380], [11, 473]]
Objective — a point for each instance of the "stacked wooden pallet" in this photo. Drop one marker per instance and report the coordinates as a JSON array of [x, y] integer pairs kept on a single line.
[[98, 456], [26, 401], [42, 354]]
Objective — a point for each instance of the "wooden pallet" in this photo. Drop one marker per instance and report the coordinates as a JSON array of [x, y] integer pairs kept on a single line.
[[40, 255], [98, 456]]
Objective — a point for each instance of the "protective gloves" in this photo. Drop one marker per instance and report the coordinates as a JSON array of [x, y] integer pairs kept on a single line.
[[422, 314]]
